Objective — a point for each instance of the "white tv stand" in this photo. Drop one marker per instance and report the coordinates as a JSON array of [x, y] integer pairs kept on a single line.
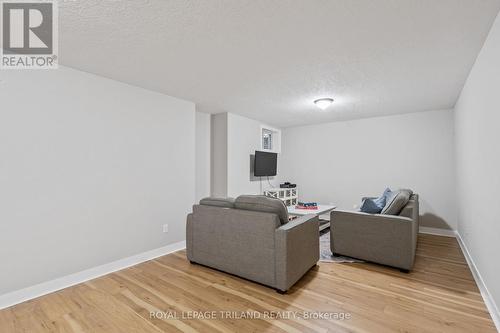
[[290, 196]]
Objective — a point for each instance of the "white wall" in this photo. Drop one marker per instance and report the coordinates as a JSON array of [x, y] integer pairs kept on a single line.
[[90, 170], [234, 139], [218, 179], [202, 159], [243, 139], [340, 162], [477, 127]]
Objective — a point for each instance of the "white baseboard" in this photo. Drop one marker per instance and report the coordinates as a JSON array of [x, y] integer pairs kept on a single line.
[[488, 299], [437, 231], [48, 287]]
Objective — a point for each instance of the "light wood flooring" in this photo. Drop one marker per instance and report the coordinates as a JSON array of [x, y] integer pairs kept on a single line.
[[439, 295]]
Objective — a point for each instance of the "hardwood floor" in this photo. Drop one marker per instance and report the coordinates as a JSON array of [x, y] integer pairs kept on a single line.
[[439, 295]]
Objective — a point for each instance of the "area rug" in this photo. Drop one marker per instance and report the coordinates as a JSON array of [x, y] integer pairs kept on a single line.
[[325, 254]]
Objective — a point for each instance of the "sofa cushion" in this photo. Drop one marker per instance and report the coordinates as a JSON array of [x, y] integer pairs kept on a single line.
[[375, 205], [372, 206], [385, 195], [218, 202], [261, 203], [396, 201]]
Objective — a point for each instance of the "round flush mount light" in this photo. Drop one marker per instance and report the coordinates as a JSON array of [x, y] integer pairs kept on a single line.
[[323, 103]]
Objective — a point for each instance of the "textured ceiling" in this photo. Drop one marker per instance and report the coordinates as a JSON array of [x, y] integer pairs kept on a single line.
[[269, 59]]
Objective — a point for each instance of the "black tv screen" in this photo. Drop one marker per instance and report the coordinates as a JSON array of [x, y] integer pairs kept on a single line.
[[265, 164]]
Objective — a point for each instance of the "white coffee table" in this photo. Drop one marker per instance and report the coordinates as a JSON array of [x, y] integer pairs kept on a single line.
[[322, 209]]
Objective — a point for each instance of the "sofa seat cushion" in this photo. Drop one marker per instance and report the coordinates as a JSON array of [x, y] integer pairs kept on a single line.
[[218, 202], [261, 203], [396, 201]]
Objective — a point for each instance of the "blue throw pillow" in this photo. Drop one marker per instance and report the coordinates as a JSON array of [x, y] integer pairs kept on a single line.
[[375, 206], [372, 206], [387, 193]]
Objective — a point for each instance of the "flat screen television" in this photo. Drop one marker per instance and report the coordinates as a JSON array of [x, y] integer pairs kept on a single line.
[[265, 164]]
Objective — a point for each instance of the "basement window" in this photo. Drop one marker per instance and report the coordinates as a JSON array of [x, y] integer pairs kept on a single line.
[[270, 139], [267, 139]]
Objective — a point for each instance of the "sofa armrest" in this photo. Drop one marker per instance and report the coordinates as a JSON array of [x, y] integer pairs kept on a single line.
[[386, 239], [189, 237], [297, 249]]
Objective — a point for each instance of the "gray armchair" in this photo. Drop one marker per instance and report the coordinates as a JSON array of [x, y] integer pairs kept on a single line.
[[385, 239], [255, 245]]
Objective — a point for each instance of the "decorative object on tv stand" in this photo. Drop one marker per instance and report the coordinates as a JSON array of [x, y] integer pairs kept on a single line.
[[289, 196], [288, 185]]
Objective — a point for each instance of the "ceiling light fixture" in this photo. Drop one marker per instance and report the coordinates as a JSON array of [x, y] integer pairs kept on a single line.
[[323, 103]]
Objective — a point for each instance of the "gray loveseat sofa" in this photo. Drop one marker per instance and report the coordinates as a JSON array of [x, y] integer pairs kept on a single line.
[[385, 239], [251, 237]]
